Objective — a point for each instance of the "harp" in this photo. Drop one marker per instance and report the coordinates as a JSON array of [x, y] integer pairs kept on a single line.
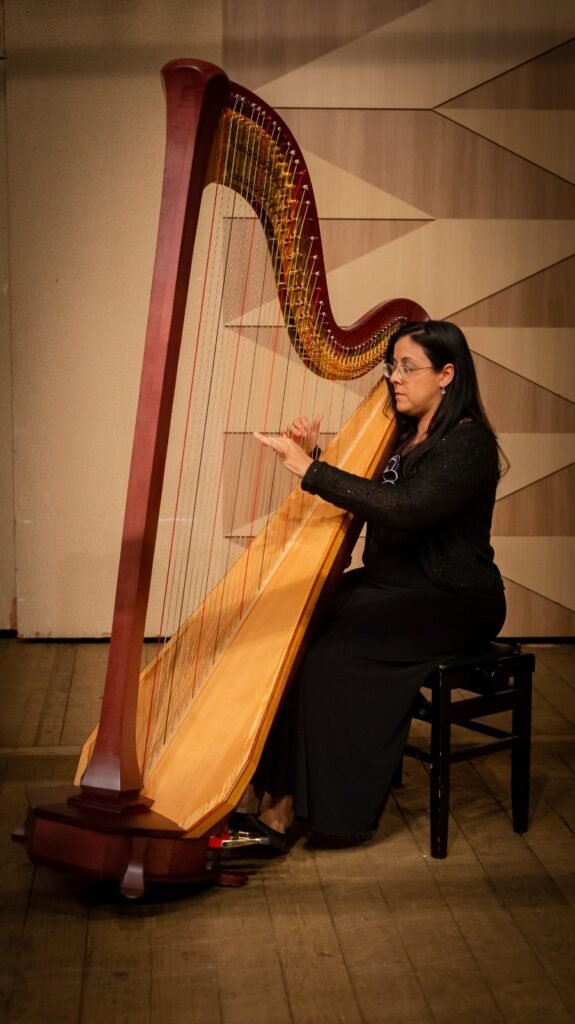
[[177, 744]]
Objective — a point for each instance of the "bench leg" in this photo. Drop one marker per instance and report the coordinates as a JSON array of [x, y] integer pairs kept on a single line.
[[440, 767], [398, 773], [521, 752]]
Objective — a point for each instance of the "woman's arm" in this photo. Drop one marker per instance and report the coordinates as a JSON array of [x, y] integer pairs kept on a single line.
[[459, 469]]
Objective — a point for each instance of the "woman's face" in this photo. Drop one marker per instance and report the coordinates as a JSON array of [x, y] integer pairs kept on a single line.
[[418, 388]]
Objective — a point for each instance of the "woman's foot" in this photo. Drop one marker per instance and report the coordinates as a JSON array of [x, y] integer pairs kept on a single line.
[[279, 815], [273, 821], [273, 824], [253, 825]]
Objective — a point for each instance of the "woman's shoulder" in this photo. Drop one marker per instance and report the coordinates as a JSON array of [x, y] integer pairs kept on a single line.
[[467, 447], [471, 441], [470, 432]]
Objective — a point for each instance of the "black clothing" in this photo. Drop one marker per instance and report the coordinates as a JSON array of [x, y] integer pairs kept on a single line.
[[428, 588], [443, 512]]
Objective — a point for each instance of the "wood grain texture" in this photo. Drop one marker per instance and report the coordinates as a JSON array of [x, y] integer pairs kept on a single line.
[[542, 509], [378, 933], [392, 150], [533, 409], [231, 712], [526, 608], [260, 42], [541, 300], [501, 951], [543, 83]]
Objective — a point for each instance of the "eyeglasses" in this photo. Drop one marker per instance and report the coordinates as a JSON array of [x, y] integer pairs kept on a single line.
[[403, 371]]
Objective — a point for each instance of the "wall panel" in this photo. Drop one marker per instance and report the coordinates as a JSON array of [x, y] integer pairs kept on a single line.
[[7, 553], [85, 119], [464, 113], [438, 135]]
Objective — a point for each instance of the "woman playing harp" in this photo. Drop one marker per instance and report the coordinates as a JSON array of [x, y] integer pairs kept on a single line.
[[176, 745], [428, 588]]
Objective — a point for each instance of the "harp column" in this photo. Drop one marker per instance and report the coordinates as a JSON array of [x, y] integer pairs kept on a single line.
[[196, 93]]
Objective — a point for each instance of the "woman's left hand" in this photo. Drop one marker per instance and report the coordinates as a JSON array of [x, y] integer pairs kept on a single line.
[[290, 454]]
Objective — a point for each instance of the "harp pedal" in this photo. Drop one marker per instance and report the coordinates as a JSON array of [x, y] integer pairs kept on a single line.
[[233, 839]]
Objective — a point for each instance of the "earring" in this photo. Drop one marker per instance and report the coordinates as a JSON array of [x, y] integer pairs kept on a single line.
[[443, 390]]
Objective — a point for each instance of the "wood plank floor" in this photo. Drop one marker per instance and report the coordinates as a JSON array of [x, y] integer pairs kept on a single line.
[[380, 933]]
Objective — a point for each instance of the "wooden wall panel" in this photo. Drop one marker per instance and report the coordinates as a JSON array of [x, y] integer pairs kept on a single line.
[[263, 41], [465, 114], [545, 508], [420, 121], [442, 168], [543, 299], [516, 404], [425, 57]]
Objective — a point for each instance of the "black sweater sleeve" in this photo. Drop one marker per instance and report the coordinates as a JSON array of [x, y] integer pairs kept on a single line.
[[461, 468]]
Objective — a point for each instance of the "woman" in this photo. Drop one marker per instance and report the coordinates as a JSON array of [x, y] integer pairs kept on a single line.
[[428, 588]]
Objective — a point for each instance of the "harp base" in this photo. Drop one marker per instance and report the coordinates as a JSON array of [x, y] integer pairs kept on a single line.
[[135, 848], [94, 799]]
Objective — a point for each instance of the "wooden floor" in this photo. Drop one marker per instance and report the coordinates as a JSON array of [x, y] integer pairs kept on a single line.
[[381, 933]]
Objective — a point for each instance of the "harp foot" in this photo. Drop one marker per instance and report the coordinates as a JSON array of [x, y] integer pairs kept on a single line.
[[133, 883], [137, 850]]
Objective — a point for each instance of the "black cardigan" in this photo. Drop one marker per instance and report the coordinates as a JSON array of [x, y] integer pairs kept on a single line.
[[442, 513]]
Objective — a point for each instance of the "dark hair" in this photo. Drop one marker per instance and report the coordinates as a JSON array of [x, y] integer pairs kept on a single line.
[[443, 342]]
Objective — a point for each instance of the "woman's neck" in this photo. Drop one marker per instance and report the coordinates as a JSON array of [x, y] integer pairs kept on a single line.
[[419, 436], [423, 424]]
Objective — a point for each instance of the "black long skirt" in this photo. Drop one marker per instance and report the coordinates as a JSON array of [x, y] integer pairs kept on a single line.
[[341, 730]]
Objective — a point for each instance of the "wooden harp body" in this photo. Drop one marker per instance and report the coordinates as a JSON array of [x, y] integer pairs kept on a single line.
[[178, 743]]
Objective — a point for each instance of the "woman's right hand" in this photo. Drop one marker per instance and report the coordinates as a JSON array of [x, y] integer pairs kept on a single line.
[[305, 432]]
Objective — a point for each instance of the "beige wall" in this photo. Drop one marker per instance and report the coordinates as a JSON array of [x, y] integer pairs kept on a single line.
[[85, 134], [7, 556], [437, 134]]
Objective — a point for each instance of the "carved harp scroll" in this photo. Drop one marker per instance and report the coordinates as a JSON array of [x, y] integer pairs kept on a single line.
[[218, 132]]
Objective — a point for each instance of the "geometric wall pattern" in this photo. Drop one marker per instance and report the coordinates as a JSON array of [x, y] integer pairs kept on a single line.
[[439, 138]]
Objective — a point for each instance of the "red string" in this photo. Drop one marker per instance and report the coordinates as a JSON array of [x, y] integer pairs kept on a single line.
[[315, 301], [220, 478], [182, 459], [282, 289]]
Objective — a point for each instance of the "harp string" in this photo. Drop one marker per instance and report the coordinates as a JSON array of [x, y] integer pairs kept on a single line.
[[271, 174], [283, 257], [184, 657], [190, 581], [245, 434], [194, 663], [188, 657], [169, 588], [259, 474], [245, 261]]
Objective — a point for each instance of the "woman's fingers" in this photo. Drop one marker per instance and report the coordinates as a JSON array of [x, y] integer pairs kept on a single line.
[[291, 454], [294, 431], [281, 445], [305, 431], [296, 442], [272, 442], [298, 428]]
